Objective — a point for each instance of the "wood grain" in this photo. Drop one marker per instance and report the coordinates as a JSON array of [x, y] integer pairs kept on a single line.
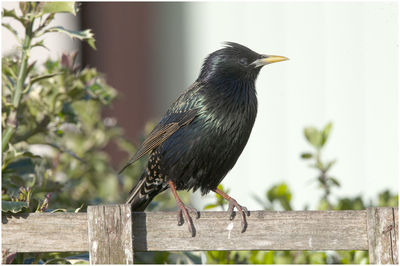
[[382, 235], [110, 234], [154, 231], [296, 230], [44, 232]]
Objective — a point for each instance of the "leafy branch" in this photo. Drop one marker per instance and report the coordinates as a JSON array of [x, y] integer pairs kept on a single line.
[[31, 13], [317, 139]]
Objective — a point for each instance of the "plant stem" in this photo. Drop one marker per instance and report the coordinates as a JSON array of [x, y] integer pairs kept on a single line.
[[323, 178], [24, 63], [12, 118], [9, 131], [6, 137]]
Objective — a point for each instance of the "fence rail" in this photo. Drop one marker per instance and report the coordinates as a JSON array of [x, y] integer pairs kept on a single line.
[[111, 232]]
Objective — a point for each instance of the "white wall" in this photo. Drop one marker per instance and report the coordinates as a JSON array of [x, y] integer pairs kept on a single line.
[[343, 68]]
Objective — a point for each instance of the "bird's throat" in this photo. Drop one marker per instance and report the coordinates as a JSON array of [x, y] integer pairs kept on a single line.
[[230, 105], [232, 96]]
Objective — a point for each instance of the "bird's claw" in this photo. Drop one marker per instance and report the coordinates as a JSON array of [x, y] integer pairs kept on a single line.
[[193, 211], [183, 216], [180, 217], [242, 211]]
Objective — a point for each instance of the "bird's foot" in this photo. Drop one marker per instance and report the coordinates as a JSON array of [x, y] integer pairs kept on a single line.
[[242, 211], [183, 211], [233, 204], [183, 216]]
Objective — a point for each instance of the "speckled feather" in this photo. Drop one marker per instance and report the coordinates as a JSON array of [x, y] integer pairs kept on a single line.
[[204, 131]]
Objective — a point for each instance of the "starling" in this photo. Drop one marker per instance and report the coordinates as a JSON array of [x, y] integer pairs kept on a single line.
[[203, 132]]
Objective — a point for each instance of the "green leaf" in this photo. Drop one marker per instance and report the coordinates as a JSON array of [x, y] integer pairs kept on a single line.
[[334, 181], [12, 30], [8, 70], [27, 180], [59, 7], [323, 205], [282, 194], [355, 203], [313, 136], [20, 171], [84, 35], [41, 77], [193, 259], [52, 66], [9, 83], [318, 258], [11, 13], [387, 199], [25, 7], [325, 133], [210, 206], [47, 21], [21, 166], [30, 67], [329, 165], [301, 258], [91, 43], [13, 206], [269, 257], [360, 257], [306, 155], [284, 258], [40, 44]]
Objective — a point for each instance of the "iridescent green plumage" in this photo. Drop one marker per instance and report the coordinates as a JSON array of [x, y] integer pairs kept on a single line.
[[204, 131]]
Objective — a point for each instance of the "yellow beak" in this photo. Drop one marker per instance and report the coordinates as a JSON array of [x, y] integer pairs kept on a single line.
[[268, 59]]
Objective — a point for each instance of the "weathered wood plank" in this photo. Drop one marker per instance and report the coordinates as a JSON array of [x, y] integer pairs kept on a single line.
[[44, 232], [110, 234], [382, 235], [153, 231], [267, 230], [396, 236]]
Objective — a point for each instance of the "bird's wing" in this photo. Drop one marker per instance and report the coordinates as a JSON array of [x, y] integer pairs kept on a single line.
[[160, 133]]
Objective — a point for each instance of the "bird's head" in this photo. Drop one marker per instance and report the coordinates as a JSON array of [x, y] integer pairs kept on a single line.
[[235, 61]]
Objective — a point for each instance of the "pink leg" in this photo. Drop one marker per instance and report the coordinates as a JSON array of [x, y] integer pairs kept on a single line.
[[183, 210], [233, 204]]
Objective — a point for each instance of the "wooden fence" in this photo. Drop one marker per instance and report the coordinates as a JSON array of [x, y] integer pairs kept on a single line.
[[111, 233]]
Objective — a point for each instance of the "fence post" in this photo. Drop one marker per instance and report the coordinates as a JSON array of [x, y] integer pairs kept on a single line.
[[110, 234], [382, 226]]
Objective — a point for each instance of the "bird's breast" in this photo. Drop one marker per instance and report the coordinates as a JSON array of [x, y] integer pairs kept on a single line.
[[230, 111], [200, 154]]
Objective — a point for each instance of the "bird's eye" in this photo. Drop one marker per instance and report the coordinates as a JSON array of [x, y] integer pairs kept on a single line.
[[243, 61]]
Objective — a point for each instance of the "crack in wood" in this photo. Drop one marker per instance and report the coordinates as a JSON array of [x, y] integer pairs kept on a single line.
[[391, 239]]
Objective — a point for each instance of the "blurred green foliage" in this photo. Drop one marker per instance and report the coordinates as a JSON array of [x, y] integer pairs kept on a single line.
[[53, 134], [53, 159]]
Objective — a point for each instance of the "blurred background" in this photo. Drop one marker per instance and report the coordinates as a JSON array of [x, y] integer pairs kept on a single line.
[[343, 69]]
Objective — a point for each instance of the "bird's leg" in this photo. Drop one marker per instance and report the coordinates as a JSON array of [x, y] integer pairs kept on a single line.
[[232, 204], [183, 210]]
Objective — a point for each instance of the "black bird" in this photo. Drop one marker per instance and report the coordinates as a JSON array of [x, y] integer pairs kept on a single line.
[[203, 132]]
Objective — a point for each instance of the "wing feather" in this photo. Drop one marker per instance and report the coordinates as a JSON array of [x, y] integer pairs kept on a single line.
[[159, 134]]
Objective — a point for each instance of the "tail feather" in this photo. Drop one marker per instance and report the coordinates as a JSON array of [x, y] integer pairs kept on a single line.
[[143, 193]]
